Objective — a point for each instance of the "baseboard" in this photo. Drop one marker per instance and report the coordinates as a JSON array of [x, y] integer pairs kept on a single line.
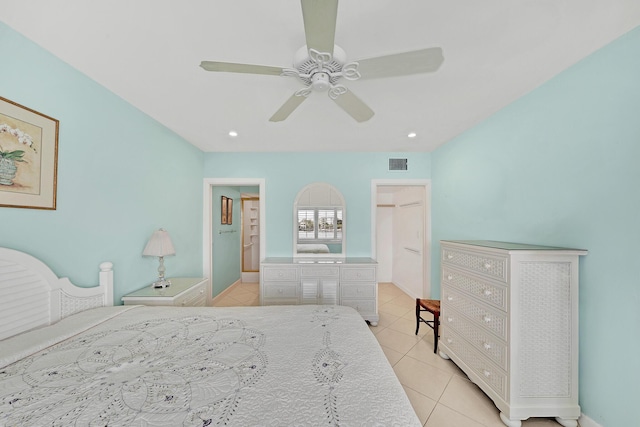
[[250, 277], [585, 421], [225, 292]]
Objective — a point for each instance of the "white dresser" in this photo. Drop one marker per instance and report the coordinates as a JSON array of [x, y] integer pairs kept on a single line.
[[509, 320], [342, 281]]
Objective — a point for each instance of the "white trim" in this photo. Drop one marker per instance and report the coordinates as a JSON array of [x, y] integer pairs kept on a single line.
[[207, 226], [585, 421], [426, 250]]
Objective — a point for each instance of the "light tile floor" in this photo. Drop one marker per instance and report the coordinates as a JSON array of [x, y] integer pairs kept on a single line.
[[440, 393]]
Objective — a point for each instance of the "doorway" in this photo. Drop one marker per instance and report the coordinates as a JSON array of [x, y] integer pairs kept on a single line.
[[208, 238], [401, 234]]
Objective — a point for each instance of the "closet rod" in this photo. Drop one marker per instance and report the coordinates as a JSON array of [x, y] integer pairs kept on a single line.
[[406, 205]]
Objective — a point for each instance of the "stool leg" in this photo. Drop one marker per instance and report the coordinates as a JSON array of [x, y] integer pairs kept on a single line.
[[436, 331], [417, 316]]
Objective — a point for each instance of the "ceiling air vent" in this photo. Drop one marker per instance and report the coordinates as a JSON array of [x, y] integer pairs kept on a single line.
[[397, 164]]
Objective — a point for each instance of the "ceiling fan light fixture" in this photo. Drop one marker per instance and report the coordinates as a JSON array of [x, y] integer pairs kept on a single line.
[[320, 82]]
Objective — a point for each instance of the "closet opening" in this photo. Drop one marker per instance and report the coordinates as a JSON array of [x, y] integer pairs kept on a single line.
[[401, 234]]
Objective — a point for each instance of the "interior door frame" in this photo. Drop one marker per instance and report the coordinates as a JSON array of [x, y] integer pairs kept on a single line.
[[207, 217], [426, 240]]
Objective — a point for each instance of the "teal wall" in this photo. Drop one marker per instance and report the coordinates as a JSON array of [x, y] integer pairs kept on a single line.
[[121, 175], [560, 167], [286, 173], [226, 239]]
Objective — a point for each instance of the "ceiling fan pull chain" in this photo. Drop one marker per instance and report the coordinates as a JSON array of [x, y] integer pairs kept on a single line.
[[336, 91]]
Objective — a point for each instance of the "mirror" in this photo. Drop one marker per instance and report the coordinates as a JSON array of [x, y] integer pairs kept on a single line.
[[319, 226]]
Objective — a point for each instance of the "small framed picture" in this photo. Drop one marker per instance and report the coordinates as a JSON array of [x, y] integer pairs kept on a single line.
[[223, 209], [229, 210]]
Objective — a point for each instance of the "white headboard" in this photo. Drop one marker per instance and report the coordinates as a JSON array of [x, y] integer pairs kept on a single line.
[[31, 295]]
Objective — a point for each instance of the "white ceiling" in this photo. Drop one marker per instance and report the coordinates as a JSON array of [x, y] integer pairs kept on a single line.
[[148, 52]]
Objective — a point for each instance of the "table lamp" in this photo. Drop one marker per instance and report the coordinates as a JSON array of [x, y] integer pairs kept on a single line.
[[160, 245]]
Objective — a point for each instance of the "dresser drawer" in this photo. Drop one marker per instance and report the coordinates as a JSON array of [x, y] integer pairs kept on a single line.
[[311, 271], [490, 374], [194, 297], [358, 274], [481, 315], [358, 290], [281, 274], [494, 266], [363, 306], [485, 291], [280, 290], [486, 343]]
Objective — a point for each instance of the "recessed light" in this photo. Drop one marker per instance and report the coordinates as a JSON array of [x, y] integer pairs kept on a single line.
[[412, 135], [233, 133]]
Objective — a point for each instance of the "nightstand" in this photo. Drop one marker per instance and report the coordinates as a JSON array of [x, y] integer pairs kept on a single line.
[[184, 292]]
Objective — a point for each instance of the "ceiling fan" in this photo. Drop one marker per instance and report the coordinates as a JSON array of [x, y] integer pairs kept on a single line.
[[320, 64]]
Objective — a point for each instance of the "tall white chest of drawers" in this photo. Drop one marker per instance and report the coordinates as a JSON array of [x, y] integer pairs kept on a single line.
[[344, 281], [509, 320]]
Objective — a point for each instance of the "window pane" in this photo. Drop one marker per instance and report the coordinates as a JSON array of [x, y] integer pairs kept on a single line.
[[306, 224], [326, 224]]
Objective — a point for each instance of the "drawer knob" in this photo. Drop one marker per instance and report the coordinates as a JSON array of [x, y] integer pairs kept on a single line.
[[487, 293], [487, 346], [449, 277], [487, 318], [487, 265], [486, 373]]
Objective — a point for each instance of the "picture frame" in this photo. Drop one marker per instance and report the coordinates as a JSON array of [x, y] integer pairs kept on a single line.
[[28, 157], [223, 209], [229, 211]]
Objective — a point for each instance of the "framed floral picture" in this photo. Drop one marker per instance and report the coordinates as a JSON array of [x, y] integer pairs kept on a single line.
[[28, 157]]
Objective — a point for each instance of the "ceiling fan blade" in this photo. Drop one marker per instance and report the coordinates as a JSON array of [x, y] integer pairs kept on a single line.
[[401, 64], [287, 108], [320, 24], [230, 67], [354, 106]]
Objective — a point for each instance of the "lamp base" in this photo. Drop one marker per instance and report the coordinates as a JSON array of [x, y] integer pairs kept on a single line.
[[161, 283]]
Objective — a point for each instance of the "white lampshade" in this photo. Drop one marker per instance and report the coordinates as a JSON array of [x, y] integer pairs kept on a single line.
[[159, 244]]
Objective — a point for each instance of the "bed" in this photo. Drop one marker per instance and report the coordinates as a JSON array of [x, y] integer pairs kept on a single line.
[[85, 362], [312, 248]]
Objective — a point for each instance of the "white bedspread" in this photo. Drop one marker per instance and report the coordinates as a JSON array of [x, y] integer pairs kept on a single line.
[[169, 366]]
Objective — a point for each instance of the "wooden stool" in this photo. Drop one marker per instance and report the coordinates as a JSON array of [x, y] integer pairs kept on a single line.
[[433, 307]]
